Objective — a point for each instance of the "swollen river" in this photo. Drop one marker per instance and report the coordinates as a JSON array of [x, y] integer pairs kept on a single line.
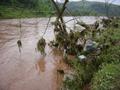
[[29, 70]]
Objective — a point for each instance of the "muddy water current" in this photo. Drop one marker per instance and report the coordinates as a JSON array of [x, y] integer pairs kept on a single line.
[[29, 70]]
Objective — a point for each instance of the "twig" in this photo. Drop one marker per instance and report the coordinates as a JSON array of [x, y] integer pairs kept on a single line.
[[47, 26]]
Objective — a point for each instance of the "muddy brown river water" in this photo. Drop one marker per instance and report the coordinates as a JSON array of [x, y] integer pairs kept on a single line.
[[29, 70]]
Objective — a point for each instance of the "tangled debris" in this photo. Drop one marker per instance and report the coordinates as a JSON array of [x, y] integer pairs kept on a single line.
[[81, 41], [41, 46]]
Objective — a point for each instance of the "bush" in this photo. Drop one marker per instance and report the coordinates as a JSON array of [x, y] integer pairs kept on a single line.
[[112, 55], [107, 78], [108, 35], [74, 84], [84, 71]]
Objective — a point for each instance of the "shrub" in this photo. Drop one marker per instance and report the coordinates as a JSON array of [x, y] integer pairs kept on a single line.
[[107, 78], [84, 71], [112, 55]]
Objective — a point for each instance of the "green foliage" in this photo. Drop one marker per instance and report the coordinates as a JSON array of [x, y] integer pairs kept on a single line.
[[110, 37], [10, 12], [71, 84], [76, 8], [107, 78], [25, 8], [76, 83], [83, 73], [112, 55], [110, 34]]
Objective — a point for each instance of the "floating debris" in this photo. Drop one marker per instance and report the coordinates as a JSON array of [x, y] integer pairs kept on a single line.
[[19, 43], [41, 46]]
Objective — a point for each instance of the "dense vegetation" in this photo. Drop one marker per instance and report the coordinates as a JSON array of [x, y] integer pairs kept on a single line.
[[99, 72], [38, 8], [24, 8], [108, 78]]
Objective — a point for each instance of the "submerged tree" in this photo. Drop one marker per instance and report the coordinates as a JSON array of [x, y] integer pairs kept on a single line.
[[60, 27]]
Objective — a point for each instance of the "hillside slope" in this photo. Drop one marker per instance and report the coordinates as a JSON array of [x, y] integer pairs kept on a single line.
[[92, 8]]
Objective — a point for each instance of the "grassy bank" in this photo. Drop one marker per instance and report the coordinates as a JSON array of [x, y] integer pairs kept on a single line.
[[8, 12]]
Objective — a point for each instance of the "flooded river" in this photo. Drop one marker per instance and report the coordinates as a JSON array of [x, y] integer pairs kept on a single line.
[[29, 70]]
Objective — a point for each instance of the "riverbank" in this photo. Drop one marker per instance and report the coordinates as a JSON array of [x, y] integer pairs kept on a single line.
[[99, 71], [9, 12]]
